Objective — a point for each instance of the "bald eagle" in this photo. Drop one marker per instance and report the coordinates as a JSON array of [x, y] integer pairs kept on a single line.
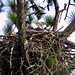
[[37, 24]]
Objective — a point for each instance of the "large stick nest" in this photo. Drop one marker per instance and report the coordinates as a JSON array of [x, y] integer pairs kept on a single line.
[[45, 53]]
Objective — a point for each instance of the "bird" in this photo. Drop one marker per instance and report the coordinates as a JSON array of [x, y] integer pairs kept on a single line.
[[42, 24], [37, 24], [34, 24]]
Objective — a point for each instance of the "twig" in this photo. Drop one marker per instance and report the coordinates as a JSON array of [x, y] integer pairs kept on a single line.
[[11, 60], [72, 4], [61, 11], [60, 28], [21, 66], [42, 61], [67, 9]]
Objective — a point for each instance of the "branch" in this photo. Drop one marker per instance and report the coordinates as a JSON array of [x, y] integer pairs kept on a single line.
[[69, 29], [67, 9], [67, 42], [56, 15], [72, 4], [61, 11]]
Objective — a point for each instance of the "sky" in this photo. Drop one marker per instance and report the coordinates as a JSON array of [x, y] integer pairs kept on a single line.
[[65, 23]]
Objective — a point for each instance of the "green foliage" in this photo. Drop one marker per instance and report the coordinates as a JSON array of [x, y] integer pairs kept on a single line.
[[49, 21], [51, 59], [57, 51], [50, 41], [7, 28], [13, 17]]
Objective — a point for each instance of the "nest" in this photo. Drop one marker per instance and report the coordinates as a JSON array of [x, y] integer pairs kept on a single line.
[[45, 54]]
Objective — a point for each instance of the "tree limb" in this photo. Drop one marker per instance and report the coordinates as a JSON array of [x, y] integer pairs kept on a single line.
[[56, 15], [69, 29], [67, 42]]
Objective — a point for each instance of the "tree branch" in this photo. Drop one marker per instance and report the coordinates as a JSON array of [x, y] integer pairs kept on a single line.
[[56, 15], [72, 4], [69, 29], [67, 42], [67, 9]]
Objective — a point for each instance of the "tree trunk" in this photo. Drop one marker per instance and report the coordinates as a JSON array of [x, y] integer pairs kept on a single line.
[[56, 15], [21, 26]]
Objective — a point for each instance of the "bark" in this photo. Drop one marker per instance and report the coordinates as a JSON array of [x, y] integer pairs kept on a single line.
[[69, 29], [21, 25], [71, 44], [56, 15]]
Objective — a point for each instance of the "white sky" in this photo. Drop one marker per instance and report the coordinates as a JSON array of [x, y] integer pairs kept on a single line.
[[65, 23]]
